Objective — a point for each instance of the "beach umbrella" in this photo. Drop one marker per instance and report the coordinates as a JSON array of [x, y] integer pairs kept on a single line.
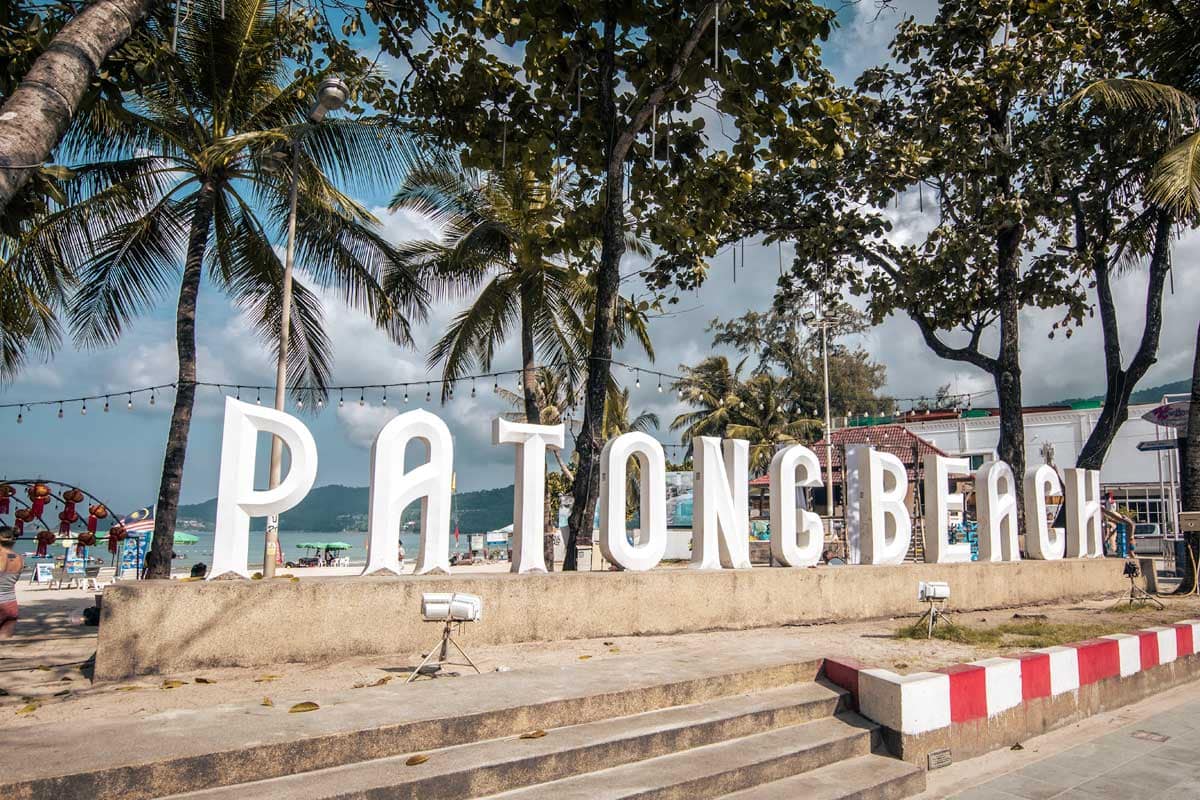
[[338, 546], [311, 545], [185, 538]]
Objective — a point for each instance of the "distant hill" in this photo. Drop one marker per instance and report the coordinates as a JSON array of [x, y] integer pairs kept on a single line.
[[1151, 395], [336, 508]]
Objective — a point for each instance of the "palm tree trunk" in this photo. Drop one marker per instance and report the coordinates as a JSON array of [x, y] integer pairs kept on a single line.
[[533, 413], [1189, 478], [36, 115], [158, 560]]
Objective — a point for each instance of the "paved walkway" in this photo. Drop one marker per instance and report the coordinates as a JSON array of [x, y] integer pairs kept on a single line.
[[1158, 756]]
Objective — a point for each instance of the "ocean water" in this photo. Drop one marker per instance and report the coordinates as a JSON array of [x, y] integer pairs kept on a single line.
[[202, 551]]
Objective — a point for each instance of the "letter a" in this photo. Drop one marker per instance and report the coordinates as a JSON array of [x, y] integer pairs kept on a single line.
[[237, 500], [996, 499], [392, 489], [721, 504]]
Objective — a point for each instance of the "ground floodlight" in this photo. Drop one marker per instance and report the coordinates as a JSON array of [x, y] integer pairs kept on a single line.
[[933, 590], [453, 610], [936, 594]]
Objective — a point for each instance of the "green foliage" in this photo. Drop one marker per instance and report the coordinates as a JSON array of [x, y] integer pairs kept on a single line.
[[205, 132]]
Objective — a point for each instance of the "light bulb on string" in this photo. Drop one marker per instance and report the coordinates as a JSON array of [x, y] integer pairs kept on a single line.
[[406, 395], [496, 387], [385, 395], [637, 382], [129, 404], [20, 416], [60, 413], [299, 403], [428, 394], [106, 404], [258, 396], [83, 409], [472, 388], [341, 398], [320, 402], [362, 396], [451, 390], [660, 384], [151, 397], [238, 393]]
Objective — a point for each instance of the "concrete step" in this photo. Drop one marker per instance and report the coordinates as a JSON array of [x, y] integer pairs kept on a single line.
[[862, 778], [188, 750], [717, 769], [497, 765]]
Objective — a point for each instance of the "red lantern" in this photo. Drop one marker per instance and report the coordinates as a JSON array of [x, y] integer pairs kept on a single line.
[[116, 535], [6, 491], [22, 515], [71, 497], [95, 513], [86, 539], [66, 519], [44, 540], [39, 495]]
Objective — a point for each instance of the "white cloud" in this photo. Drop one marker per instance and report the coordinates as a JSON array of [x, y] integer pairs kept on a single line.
[[362, 423]]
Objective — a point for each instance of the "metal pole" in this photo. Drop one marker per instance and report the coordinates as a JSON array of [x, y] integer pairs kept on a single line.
[[828, 420], [271, 545]]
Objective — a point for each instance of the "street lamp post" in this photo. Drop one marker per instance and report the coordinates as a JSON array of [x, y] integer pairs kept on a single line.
[[331, 95], [818, 319]]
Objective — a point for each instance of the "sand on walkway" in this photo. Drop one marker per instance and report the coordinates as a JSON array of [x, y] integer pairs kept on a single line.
[[44, 664]]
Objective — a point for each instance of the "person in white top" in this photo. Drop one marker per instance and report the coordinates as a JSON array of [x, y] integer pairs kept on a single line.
[[11, 564]]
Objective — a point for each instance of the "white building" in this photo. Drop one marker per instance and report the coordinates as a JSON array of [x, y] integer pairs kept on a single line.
[[1145, 482]]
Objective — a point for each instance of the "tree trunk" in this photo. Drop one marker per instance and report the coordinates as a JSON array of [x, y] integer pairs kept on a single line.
[[608, 279], [158, 560], [1189, 477], [1011, 448], [529, 378], [1120, 382], [36, 115]]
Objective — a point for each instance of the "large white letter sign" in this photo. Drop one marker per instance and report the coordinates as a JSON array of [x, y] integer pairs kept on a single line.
[[392, 489], [794, 548], [1085, 532], [1041, 541], [721, 504], [886, 523], [939, 502], [854, 501], [237, 500], [614, 466], [996, 499], [529, 489]]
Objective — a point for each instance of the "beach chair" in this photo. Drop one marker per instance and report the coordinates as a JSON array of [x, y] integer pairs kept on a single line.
[[91, 579], [61, 578]]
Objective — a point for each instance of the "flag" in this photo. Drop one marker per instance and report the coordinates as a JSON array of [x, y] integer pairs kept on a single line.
[[139, 521]]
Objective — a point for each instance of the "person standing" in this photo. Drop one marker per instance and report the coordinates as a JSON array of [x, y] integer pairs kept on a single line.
[[11, 564]]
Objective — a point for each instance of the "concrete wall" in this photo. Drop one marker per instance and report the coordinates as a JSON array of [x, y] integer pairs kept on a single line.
[[159, 626]]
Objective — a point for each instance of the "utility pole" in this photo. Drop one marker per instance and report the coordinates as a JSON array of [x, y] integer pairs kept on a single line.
[[331, 95]]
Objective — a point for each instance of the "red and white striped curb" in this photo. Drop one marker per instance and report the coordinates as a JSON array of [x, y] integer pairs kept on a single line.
[[927, 701]]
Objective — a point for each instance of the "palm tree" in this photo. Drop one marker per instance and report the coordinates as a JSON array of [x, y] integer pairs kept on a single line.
[[762, 417], [501, 244], [190, 168], [711, 386]]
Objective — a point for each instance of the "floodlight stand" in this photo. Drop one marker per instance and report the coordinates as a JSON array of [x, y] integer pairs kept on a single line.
[[1140, 595], [443, 651], [933, 615]]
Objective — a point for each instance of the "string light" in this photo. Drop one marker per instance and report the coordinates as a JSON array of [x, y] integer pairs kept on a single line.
[[83, 409], [258, 397], [151, 398], [299, 403], [129, 404], [428, 394], [385, 396], [637, 383], [361, 396], [60, 413], [320, 402], [106, 404], [451, 390], [472, 388], [406, 396], [20, 417], [341, 398]]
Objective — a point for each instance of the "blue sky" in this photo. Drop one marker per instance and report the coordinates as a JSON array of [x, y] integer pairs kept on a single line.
[[118, 455]]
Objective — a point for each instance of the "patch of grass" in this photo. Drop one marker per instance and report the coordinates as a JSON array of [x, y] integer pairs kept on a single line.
[[1124, 607], [1023, 635]]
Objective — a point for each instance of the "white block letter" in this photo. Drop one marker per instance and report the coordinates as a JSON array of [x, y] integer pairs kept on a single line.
[[1085, 534], [887, 525], [1040, 541], [529, 489], [939, 502], [996, 499], [237, 500], [795, 548], [614, 464], [392, 489], [721, 534]]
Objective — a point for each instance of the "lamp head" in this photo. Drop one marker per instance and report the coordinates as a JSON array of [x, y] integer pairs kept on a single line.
[[332, 94]]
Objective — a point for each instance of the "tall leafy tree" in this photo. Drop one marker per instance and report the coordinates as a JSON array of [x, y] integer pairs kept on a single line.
[[615, 92], [763, 416], [711, 387], [190, 172], [969, 126]]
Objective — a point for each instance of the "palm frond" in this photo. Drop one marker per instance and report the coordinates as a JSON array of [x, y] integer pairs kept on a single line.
[[1137, 94], [1175, 184]]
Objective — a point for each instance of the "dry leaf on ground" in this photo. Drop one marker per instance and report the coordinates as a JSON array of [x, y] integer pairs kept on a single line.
[[420, 758], [539, 733], [205, 680], [172, 684], [300, 708], [266, 701]]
